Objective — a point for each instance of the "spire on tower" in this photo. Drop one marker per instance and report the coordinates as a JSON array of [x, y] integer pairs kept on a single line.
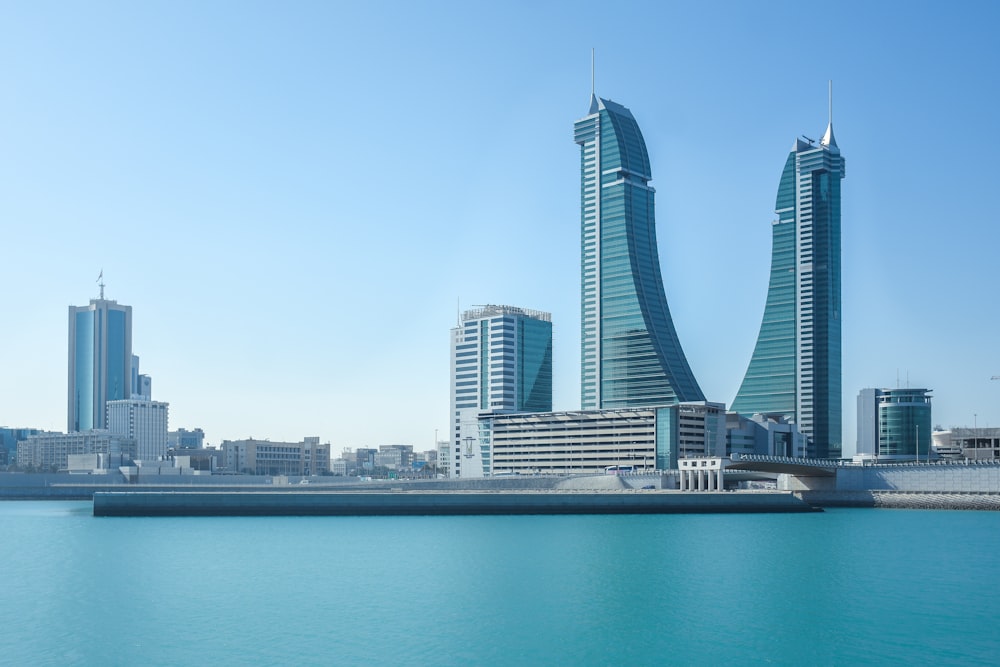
[[828, 139], [593, 94]]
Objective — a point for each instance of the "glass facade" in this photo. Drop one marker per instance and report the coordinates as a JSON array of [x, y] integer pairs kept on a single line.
[[85, 364], [904, 423], [119, 364], [769, 384], [501, 362], [534, 365], [795, 370], [100, 362], [630, 354], [667, 437]]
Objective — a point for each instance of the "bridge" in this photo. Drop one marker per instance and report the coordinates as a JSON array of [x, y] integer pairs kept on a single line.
[[785, 464]]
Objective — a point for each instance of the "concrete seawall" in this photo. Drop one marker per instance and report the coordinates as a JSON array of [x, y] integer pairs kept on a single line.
[[903, 500], [413, 503]]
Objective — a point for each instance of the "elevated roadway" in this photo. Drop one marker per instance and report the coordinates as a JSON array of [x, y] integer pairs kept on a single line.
[[800, 467]]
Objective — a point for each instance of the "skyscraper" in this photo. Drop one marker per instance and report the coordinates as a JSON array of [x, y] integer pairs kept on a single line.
[[100, 361], [501, 361], [795, 367], [630, 354]]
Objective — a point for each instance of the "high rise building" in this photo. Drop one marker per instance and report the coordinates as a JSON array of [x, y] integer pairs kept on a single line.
[[100, 361], [501, 361], [144, 421], [795, 372], [142, 385], [630, 354]]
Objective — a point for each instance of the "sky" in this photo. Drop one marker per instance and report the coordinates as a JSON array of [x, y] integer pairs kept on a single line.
[[297, 199]]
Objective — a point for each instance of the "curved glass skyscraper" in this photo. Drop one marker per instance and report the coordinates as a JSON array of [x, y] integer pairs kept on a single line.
[[630, 353], [795, 368]]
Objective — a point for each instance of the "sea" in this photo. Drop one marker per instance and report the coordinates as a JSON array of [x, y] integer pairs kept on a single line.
[[842, 587]]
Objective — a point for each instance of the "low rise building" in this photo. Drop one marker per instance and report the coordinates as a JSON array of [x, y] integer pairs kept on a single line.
[[201, 459], [185, 439], [394, 457], [43, 451], [770, 435], [263, 457], [594, 441], [973, 444]]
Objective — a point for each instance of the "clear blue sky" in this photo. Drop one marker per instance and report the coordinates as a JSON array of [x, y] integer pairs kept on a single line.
[[294, 196]]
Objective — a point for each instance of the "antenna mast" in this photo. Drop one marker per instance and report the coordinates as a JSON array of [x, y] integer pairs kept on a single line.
[[830, 95], [592, 88], [100, 282]]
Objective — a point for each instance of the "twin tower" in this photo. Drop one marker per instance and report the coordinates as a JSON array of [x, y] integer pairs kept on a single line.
[[630, 353]]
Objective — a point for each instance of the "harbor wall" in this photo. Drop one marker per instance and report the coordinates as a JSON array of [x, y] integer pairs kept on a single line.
[[927, 478], [401, 503], [903, 500]]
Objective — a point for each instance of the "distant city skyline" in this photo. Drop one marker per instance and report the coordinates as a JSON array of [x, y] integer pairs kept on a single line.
[[293, 223]]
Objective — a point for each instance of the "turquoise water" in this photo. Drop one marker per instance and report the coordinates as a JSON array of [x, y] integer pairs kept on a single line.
[[844, 587]]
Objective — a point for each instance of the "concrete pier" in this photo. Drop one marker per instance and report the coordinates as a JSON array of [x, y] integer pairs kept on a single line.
[[403, 503]]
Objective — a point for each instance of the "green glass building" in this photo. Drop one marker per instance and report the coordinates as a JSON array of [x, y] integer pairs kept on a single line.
[[895, 424], [795, 370], [630, 354]]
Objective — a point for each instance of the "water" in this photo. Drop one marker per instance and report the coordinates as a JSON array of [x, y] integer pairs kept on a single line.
[[844, 587]]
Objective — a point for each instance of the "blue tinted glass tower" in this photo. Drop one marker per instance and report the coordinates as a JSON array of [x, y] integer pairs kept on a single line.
[[795, 367], [630, 354], [100, 361]]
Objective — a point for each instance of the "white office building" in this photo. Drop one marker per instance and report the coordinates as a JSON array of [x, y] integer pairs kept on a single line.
[[501, 361], [594, 441], [143, 421], [52, 450]]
